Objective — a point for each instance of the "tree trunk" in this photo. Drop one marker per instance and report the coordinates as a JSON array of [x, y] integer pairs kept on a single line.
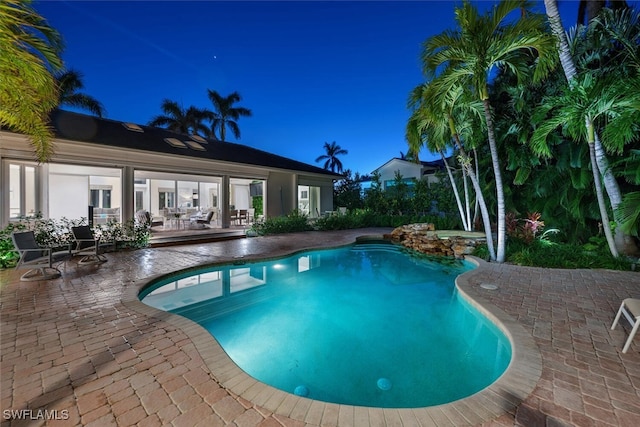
[[624, 242], [466, 199], [500, 253], [466, 163], [465, 224], [601, 205]]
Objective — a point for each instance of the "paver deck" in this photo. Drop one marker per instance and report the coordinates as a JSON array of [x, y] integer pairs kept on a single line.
[[79, 349]]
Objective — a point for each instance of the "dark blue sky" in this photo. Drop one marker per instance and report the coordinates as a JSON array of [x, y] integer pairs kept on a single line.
[[311, 71]]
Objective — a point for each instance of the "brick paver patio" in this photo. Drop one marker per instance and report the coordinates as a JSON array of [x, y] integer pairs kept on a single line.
[[77, 349]]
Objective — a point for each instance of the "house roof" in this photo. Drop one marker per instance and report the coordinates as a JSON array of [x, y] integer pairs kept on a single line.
[[90, 129], [435, 164]]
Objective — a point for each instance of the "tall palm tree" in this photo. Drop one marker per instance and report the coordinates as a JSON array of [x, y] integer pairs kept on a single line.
[[69, 85], [30, 55], [589, 9], [225, 114], [439, 117], [331, 161], [577, 110], [570, 71], [480, 44], [177, 119]]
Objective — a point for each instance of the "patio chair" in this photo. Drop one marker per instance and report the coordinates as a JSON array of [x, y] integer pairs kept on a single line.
[[86, 245], [242, 216], [206, 220], [630, 307], [39, 260]]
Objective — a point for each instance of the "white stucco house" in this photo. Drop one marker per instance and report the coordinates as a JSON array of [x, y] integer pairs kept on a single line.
[[409, 171], [119, 168]]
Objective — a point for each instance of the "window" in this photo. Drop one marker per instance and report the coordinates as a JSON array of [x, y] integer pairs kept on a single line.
[[22, 190], [95, 198], [309, 200], [139, 200], [167, 199], [100, 196]]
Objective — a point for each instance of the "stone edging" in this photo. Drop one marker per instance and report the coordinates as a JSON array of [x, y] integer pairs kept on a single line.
[[501, 397]]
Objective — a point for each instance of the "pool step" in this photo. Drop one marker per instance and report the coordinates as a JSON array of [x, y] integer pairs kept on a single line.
[[377, 247]]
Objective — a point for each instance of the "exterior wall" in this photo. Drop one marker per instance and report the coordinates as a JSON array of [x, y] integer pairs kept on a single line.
[[326, 191], [280, 192], [407, 170], [280, 196]]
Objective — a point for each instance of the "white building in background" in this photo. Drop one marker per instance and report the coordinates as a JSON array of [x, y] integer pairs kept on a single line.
[[118, 168], [409, 171]]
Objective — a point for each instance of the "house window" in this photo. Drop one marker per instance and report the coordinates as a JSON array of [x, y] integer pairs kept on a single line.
[[100, 196], [309, 200], [22, 190], [139, 200], [167, 199]]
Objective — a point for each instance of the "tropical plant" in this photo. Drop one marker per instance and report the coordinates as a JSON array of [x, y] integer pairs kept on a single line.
[[177, 119], [432, 125], [225, 114], [69, 85], [469, 55], [346, 192], [30, 56], [590, 9], [576, 112], [569, 66], [331, 161]]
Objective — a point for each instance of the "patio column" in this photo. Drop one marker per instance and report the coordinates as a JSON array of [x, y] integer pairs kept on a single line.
[[128, 193], [224, 208], [42, 189]]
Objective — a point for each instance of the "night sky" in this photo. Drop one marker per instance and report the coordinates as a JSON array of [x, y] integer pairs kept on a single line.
[[311, 71]]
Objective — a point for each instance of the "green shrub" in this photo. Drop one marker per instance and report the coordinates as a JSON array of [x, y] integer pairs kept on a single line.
[[291, 223], [57, 234], [548, 254]]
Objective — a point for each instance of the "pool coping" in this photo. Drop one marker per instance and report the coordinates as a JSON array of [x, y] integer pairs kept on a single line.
[[501, 397]]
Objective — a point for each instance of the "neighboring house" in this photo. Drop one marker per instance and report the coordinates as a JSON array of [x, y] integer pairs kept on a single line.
[[409, 171], [118, 168]]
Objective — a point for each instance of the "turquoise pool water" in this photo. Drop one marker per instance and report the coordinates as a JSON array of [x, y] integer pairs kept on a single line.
[[369, 325]]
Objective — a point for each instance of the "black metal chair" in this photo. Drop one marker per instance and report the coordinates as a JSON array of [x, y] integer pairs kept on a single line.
[[86, 245], [37, 259]]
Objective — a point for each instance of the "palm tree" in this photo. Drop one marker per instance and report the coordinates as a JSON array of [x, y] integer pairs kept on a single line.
[[410, 156], [177, 119], [331, 160], [30, 56], [470, 54], [568, 65], [69, 83], [225, 114], [577, 110], [589, 9], [436, 121]]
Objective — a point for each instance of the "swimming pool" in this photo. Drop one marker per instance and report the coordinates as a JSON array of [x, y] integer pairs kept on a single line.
[[366, 325]]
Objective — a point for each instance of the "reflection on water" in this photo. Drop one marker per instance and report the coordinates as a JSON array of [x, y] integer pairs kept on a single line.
[[370, 325]]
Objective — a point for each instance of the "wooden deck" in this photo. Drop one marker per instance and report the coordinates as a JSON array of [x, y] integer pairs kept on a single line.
[[167, 237]]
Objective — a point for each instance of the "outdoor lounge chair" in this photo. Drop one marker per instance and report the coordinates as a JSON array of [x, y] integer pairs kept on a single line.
[[39, 260], [630, 307], [86, 245]]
